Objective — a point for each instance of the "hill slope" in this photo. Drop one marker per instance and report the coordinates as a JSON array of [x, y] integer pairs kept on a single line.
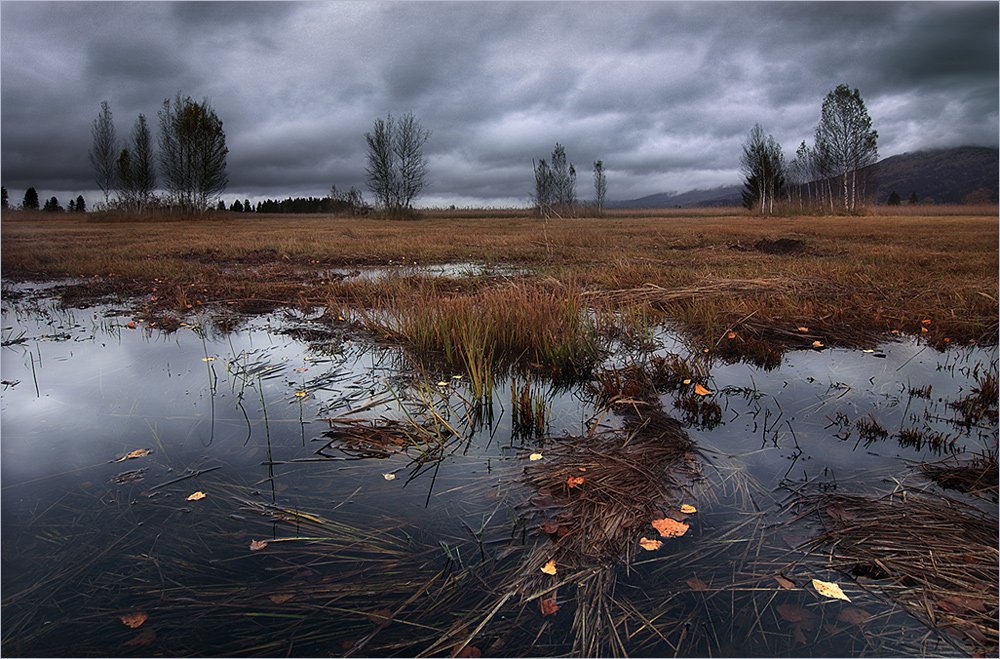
[[946, 176]]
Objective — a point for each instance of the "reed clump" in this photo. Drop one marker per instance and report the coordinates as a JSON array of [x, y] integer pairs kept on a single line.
[[933, 556]]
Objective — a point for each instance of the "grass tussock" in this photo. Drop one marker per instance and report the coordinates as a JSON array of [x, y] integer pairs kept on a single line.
[[520, 324]]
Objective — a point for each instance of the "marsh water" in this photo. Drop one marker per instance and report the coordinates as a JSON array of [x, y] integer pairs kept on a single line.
[[302, 546]]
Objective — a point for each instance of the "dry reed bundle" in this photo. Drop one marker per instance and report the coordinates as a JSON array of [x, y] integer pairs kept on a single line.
[[595, 496], [978, 476], [936, 557], [711, 286]]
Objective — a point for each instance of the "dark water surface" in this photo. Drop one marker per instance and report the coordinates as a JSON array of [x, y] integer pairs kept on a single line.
[[423, 537]]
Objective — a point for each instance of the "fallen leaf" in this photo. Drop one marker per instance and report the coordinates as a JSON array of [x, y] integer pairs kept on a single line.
[[550, 567], [442, 384], [197, 496], [389, 477], [687, 381], [802, 329], [300, 394], [831, 590], [789, 612], [853, 615], [784, 581], [670, 528], [650, 545], [550, 526], [299, 370], [868, 351], [134, 618], [130, 325], [535, 456], [688, 509], [145, 637], [696, 584], [574, 481], [138, 453], [798, 637], [925, 322], [257, 545], [548, 606], [380, 617], [701, 391], [468, 652], [208, 359], [281, 599], [817, 344], [731, 335]]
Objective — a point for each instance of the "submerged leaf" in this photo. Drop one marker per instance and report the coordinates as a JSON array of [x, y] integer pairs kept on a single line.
[[854, 616], [197, 496], [784, 581], [548, 606], [550, 567], [789, 612], [670, 528], [282, 598], [650, 545], [145, 637], [134, 618], [831, 590], [257, 545], [696, 584]]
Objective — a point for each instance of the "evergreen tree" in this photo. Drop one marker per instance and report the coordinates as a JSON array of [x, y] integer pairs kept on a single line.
[[894, 199], [52, 206], [81, 204], [3, 198], [30, 202], [913, 199]]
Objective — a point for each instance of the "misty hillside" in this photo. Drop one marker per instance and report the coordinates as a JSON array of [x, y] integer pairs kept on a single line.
[[946, 176]]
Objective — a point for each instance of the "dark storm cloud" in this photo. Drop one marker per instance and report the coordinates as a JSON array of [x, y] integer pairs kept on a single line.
[[664, 93]]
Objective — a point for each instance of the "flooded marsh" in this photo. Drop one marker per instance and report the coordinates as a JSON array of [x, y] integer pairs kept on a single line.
[[321, 484]]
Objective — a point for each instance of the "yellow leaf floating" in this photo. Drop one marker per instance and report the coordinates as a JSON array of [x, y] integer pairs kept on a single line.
[[701, 391], [687, 381], [688, 509], [389, 477], [535, 456], [197, 496], [831, 590], [300, 394], [650, 545], [138, 453], [550, 567], [208, 359]]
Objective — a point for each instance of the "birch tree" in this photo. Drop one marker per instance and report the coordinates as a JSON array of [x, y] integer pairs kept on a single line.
[[192, 152], [846, 139], [763, 166], [600, 186]]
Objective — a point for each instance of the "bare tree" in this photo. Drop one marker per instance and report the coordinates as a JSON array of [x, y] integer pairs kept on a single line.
[[845, 137], [192, 152], [600, 186], [544, 194], [104, 151], [397, 169]]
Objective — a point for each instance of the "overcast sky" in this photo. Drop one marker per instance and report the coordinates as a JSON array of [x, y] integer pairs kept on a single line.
[[664, 93]]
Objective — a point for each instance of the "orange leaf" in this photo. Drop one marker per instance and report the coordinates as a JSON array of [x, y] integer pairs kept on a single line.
[[257, 545], [574, 481], [696, 584], [548, 606], [138, 453], [650, 545], [197, 496], [803, 329], [670, 528], [731, 335], [133, 619], [817, 344], [701, 391], [550, 567], [925, 322], [688, 509]]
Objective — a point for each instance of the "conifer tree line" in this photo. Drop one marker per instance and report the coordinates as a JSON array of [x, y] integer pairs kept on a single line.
[[837, 172], [191, 161]]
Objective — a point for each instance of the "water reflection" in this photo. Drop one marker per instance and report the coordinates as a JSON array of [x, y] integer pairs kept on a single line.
[[245, 417]]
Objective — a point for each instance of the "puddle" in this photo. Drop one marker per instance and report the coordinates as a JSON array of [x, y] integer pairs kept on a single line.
[[412, 269], [305, 546]]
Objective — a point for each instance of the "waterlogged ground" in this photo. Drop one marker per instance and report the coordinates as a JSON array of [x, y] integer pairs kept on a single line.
[[303, 546]]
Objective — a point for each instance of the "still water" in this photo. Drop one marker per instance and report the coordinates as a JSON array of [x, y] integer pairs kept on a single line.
[[385, 552]]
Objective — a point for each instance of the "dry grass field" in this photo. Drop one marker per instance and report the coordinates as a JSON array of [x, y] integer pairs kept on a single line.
[[736, 282]]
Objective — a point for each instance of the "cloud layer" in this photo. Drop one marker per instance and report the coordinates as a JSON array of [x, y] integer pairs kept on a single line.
[[664, 93]]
